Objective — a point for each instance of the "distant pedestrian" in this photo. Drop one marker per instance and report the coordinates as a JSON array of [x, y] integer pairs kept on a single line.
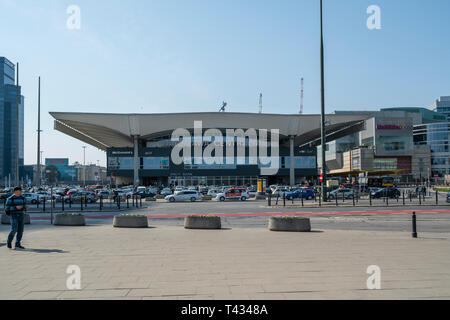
[[14, 208]]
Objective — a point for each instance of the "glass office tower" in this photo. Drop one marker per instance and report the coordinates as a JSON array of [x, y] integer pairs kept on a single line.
[[8, 121]]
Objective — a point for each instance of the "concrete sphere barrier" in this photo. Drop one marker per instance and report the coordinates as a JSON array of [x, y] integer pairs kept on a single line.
[[7, 219], [130, 221], [202, 222], [69, 220], [291, 224]]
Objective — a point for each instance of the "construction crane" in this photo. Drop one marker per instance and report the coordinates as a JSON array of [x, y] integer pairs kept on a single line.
[[224, 104], [260, 103], [301, 96]]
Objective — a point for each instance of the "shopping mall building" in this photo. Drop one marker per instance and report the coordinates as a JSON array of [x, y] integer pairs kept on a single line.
[[410, 143], [140, 147]]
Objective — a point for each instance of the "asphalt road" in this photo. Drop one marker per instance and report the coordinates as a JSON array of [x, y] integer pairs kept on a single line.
[[237, 214]]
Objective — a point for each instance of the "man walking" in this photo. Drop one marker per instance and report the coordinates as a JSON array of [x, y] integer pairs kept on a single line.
[[14, 208]]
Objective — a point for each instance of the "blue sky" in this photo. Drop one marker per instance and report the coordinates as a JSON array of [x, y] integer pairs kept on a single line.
[[190, 55]]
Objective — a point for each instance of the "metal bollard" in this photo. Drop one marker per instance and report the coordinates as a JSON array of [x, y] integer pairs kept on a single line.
[[269, 200], [303, 200], [336, 197], [403, 197], [43, 204], [414, 225], [284, 200], [387, 201], [420, 199], [370, 198], [437, 200], [278, 197], [101, 203], [62, 203], [353, 196], [81, 203], [128, 204]]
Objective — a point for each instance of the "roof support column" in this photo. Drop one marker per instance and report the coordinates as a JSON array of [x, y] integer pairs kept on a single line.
[[292, 159], [136, 181]]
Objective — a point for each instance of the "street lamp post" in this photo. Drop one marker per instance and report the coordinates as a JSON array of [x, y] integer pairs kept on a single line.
[[322, 109], [84, 166], [39, 137], [16, 156]]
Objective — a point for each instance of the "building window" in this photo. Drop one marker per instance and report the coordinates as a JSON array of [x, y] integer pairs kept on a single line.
[[155, 163], [385, 164]]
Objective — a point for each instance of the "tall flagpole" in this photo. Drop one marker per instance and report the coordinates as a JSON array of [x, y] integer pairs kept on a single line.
[[38, 181], [322, 109]]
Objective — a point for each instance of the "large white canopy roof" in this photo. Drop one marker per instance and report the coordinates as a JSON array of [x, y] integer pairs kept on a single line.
[[104, 130]]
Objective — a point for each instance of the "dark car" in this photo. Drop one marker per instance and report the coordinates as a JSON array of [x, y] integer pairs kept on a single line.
[[5, 196], [300, 193], [144, 194], [389, 192]]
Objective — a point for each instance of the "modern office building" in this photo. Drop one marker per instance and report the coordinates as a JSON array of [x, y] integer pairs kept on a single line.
[[385, 144], [10, 100], [140, 147], [435, 133], [442, 106]]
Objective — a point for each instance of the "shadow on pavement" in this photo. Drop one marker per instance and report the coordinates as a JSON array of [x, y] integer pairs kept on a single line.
[[45, 251]]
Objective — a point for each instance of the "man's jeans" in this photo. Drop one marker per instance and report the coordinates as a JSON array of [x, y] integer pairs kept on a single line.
[[17, 224]]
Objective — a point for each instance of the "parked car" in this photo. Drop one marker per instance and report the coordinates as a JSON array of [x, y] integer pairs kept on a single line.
[[187, 195], [31, 197], [214, 192], [389, 192], [233, 194], [89, 197], [280, 191], [166, 192], [5, 196], [144, 193], [341, 193], [44, 196], [304, 193], [104, 194]]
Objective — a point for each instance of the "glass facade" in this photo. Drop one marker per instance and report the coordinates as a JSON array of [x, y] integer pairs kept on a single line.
[[156, 165], [436, 136], [8, 120]]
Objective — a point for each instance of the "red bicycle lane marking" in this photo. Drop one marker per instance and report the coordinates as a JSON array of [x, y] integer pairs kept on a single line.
[[262, 214]]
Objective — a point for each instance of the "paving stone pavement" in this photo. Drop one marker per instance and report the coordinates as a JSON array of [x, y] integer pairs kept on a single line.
[[169, 262]]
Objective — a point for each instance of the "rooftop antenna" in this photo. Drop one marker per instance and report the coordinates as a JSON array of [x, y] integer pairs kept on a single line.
[[224, 104], [301, 96], [260, 103]]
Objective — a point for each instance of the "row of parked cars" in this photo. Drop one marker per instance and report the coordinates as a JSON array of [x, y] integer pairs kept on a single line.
[[242, 194]]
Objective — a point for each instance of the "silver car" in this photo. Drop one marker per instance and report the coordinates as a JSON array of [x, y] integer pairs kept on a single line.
[[187, 195]]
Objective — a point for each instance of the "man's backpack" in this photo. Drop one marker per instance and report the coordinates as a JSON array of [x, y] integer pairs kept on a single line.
[[7, 209]]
